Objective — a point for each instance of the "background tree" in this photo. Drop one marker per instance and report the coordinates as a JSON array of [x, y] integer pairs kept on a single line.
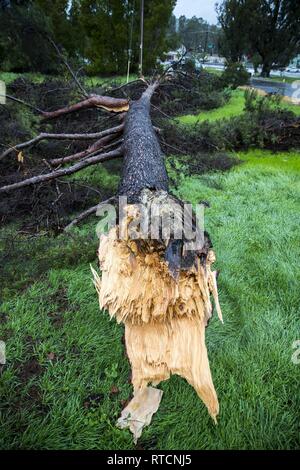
[[270, 28], [233, 17], [25, 28], [107, 47], [98, 33], [173, 37], [196, 34], [274, 31]]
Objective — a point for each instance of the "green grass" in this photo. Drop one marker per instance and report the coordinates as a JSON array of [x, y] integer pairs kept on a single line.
[[273, 78], [62, 352], [99, 80], [213, 70], [9, 77], [234, 107]]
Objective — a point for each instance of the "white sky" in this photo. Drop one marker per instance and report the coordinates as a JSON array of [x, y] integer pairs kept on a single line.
[[200, 8]]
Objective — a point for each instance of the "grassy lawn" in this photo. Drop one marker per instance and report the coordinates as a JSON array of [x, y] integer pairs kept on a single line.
[[234, 107], [9, 77], [66, 378]]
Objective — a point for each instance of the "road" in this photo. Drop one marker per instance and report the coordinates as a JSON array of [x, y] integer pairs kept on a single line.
[[274, 73], [284, 89], [281, 88]]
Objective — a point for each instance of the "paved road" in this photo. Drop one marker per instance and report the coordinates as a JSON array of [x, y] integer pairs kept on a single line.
[[284, 89], [275, 73]]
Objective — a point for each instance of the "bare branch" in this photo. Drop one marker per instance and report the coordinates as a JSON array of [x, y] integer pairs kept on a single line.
[[86, 213], [173, 148], [18, 100], [49, 136], [165, 72], [59, 53], [162, 113], [64, 171], [99, 145], [111, 90]]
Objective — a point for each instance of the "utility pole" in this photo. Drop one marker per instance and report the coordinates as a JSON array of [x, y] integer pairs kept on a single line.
[[205, 45], [142, 38]]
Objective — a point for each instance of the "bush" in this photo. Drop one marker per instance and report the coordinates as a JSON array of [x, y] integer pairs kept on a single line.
[[263, 127], [235, 75], [261, 104], [191, 92]]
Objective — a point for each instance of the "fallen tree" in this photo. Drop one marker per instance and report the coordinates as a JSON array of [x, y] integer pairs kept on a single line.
[[156, 286]]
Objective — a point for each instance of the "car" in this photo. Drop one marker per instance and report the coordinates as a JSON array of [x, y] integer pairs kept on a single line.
[[292, 70]]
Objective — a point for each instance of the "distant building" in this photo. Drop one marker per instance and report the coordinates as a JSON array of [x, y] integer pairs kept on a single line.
[[172, 56], [215, 59]]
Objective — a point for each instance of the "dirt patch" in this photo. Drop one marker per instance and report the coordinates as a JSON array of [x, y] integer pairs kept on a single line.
[[34, 393], [3, 318], [93, 400], [48, 205], [29, 369], [56, 319], [6, 333], [60, 298]]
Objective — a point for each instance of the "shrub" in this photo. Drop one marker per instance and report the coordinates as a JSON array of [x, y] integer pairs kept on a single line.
[[235, 75]]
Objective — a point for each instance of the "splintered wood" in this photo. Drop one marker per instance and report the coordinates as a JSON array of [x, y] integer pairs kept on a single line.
[[164, 319]]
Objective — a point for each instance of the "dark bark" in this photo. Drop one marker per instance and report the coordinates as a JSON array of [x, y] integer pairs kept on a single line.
[[144, 165], [266, 70], [99, 145], [83, 215]]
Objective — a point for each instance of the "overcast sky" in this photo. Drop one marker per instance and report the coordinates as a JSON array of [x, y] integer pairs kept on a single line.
[[200, 8]]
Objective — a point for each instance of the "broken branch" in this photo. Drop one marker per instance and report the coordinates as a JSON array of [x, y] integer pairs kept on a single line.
[[100, 144], [49, 136], [64, 171], [108, 103], [59, 53], [86, 213]]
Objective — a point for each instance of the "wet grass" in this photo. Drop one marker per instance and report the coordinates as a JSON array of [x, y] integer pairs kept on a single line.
[[234, 107]]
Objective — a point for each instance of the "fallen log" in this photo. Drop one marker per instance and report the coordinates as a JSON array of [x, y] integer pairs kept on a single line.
[[160, 292]]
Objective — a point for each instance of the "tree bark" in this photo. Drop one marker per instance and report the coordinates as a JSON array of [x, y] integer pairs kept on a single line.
[[143, 165], [266, 70]]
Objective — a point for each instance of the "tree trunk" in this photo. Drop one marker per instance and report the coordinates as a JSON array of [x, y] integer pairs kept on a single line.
[[266, 70], [143, 159], [164, 306]]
